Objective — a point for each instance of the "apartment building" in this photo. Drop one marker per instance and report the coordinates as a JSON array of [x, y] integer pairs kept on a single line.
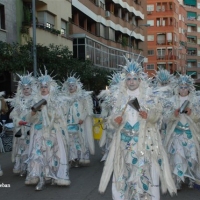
[[193, 38], [52, 21], [166, 37], [106, 30], [8, 24], [8, 29]]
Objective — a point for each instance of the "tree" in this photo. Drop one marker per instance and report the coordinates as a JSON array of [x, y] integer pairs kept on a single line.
[[57, 59]]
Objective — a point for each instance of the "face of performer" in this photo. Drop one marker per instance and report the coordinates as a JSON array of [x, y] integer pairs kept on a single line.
[[132, 82], [72, 87], [27, 91], [44, 90], [183, 90]]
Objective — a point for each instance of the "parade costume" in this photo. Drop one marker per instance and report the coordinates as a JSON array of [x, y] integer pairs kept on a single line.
[[182, 139], [48, 152], [21, 104], [106, 97], [79, 122], [164, 92], [136, 157]]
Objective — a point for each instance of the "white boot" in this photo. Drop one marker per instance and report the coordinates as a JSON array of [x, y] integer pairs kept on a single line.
[[40, 185], [62, 182]]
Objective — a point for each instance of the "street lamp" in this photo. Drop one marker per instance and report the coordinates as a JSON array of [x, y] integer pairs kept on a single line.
[[34, 40], [146, 25]]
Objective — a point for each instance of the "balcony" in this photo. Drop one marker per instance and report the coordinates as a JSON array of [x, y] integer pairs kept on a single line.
[[167, 57]]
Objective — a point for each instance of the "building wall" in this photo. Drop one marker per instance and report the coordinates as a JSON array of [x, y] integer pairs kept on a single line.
[[193, 38], [51, 10], [9, 33], [182, 40], [115, 24], [163, 37]]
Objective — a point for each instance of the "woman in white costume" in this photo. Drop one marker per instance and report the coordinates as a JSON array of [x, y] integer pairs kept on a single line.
[[182, 139], [79, 122], [48, 152], [136, 157], [22, 103]]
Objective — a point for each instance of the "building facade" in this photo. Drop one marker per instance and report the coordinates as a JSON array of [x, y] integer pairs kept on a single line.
[[8, 29], [52, 22], [8, 24], [193, 38], [166, 37], [104, 31]]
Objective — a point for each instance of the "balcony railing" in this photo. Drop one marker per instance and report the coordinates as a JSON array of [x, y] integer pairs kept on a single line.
[[167, 57], [46, 27]]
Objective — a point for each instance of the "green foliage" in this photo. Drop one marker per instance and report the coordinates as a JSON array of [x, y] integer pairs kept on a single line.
[[57, 59], [124, 41], [27, 15]]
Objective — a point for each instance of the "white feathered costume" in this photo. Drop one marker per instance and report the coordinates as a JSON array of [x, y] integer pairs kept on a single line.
[[80, 109], [136, 158]]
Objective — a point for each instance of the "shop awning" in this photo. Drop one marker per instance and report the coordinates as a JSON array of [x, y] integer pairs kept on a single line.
[[191, 73], [191, 14], [191, 49], [191, 24], [190, 2], [191, 36], [191, 60]]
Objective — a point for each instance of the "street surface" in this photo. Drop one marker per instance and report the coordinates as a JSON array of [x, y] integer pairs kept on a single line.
[[84, 186]]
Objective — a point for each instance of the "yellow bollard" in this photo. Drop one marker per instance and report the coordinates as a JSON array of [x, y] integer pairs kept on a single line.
[[97, 128]]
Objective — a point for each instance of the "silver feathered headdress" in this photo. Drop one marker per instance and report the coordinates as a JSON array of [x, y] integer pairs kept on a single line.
[[25, 80], [186, 80], [72, 79], [45, 79], [133, 67], [163, 76]]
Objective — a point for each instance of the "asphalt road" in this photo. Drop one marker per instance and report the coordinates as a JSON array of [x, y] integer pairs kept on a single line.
[[84, 186]]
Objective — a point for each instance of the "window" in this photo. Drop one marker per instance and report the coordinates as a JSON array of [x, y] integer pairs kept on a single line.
[[150, 37], [150, 8], [198, 29], [102, 4], [2, 17], [150, 52], [151, 22], [150, 67], [179, 30], [64, 28], [161, 38], [179, 16], [198, 64], [46, 19], [102, 30]]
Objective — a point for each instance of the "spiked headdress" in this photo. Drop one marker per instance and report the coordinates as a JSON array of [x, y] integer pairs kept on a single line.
[[133, 67], [72, 79], [163, 76]]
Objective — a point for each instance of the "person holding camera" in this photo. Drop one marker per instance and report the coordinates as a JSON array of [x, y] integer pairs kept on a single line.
[[21, 104], [48, 152], [182, 135]]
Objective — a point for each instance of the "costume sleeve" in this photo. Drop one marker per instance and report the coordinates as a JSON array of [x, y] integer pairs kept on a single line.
[[154, 114], [15, 116]]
